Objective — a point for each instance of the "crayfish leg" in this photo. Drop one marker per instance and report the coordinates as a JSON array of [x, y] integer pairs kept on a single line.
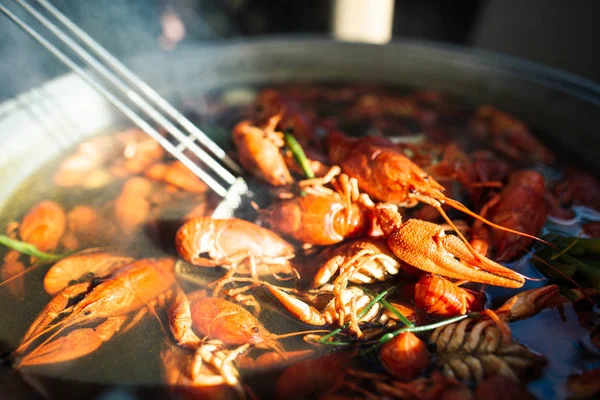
[[299, 309], [177, 370], [326, 271], [248, 300], [136, 319], [180, 321], [213, 356]]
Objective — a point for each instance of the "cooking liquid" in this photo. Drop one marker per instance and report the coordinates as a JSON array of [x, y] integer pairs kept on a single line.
[[133, 358]]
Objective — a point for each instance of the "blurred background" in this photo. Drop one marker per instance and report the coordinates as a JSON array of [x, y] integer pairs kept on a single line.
[[558, 33]]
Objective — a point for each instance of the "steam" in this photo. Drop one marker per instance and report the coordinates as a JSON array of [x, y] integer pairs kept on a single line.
[[23, 63], [126, 28]]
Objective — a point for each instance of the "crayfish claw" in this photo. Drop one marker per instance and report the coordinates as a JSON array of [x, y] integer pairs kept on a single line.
[[76, 344], [528, 303], [481, 269], [426, 246]]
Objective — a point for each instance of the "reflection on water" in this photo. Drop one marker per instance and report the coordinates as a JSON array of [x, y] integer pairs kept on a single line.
[[557, 339]]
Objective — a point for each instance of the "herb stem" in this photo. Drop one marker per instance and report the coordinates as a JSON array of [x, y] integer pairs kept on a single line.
[[299, 154], [565, 250], [389, 336], [360, 315], [332, 342], [29, 249], [397, 313]]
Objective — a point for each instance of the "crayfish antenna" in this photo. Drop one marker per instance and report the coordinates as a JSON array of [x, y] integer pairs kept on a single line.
[[292, 334], [500, 323], [20, 274], [534, 279], [436, 204], [258, 282], [457, 205], [59, 325]]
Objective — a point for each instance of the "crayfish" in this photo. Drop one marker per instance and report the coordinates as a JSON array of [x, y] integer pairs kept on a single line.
[[238, 245], [387, 175], [322, 216], [104, 304]]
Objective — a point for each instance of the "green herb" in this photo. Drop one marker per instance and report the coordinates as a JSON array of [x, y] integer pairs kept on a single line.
[[554, 269], [591, 273], [397, 313], [299, 154], [389, 336], [364, 311], [568, 293], [576, 260], [575, 246], [333, 342], [29, 249], [410, 327]]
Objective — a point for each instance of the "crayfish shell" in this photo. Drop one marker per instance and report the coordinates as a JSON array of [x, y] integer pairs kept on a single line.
[[472, 350], [405, 356], [439, 296]]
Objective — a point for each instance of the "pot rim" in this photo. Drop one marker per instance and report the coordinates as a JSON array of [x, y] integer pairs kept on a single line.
[[565, 81]]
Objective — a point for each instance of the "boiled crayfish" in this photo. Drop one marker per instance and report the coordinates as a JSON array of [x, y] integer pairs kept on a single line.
[[385, 174], [322, 216], [105, 305], [426, 246], [218, 332], [523, 206], [238, 245], [439, 296], [259, 151]]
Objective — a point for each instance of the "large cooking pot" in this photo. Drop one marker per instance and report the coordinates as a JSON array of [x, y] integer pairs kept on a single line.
[[40, 124]]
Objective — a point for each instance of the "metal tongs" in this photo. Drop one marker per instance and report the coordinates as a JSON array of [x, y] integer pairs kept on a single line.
[[140, 103]]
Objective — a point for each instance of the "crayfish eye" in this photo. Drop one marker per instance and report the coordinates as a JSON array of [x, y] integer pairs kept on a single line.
[[96, 281], [255, 329]]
